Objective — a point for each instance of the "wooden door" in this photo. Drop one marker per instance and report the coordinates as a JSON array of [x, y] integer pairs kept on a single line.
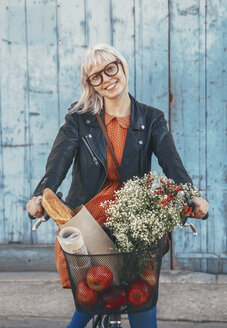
[[176, 52]]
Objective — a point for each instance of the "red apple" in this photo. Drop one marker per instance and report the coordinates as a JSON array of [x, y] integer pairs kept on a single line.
[[99, 277], [86, 296], [139, 292], [114, 297], [149, 274]]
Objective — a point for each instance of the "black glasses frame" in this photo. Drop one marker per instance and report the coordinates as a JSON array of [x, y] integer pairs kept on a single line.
[[104, 70]]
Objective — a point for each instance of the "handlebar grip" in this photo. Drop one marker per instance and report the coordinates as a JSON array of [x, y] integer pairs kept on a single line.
[[192, 204], [31, 217], [59, 195], [206, 216]]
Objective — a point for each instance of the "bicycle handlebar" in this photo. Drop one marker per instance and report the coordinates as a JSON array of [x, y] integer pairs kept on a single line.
[[46, 217]]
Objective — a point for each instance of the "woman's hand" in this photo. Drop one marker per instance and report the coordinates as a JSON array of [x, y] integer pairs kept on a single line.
[[201, 207], [34, 207]]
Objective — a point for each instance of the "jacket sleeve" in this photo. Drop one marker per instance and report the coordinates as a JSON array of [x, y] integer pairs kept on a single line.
[[165, 150], [61, 156]]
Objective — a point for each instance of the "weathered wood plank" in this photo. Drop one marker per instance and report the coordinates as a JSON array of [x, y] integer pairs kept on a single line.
[[216, 155], [71, 27], [2, 205], [43, 94], [188, 111], [98, 17], [15, 142], [151, 62], [151, 57], [151, 53], [123, 35]]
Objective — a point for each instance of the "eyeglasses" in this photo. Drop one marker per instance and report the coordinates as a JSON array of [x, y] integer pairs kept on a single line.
[[110, 69]]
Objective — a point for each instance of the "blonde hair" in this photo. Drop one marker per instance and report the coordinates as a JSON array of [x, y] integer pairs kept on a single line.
[[91, 101]]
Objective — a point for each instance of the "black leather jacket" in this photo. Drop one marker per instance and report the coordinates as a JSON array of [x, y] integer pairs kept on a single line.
[[81, 141]]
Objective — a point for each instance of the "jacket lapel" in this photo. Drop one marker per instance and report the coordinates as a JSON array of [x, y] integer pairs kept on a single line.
[[96, 137]]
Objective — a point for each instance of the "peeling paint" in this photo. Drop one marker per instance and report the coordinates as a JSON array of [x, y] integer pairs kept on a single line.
[[34, 114], [48, 92], [14, 146], [8, 41], [193, 10]]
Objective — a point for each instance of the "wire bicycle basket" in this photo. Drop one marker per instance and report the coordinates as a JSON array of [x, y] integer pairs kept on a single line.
[[125, 282]]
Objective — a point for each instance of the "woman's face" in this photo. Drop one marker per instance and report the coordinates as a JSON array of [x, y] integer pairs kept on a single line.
[[111, 86]]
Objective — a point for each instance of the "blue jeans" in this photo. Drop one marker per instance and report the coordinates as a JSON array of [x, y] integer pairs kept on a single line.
[[146, 319]]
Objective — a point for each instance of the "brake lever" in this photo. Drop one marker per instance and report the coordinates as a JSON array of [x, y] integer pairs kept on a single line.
[[45, 218], [192, 227]]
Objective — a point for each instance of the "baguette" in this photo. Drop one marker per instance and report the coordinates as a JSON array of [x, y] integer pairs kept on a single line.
[[58, 211]]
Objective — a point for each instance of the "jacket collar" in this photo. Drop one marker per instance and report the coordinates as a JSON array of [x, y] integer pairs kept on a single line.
[[137, 115], [137, 120]]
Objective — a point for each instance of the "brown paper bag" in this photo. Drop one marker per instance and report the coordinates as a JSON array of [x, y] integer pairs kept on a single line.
[[96, 240]]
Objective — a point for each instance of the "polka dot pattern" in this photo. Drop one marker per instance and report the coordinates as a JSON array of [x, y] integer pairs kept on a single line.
[[117, 128]]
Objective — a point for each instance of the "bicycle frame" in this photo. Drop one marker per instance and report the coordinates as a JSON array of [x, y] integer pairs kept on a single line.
[[108, 321]]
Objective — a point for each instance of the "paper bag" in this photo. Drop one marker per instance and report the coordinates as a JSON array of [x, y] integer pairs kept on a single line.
[[96, 240]]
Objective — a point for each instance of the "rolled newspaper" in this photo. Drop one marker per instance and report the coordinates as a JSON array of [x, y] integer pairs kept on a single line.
[[71, 241]]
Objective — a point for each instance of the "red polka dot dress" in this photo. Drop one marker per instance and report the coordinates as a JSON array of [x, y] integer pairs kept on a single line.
[[117, 128]]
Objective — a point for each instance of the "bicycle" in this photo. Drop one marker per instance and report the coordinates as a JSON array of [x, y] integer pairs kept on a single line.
[[111, 317]]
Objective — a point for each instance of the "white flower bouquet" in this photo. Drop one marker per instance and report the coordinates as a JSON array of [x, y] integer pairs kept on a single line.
[[146, 208]]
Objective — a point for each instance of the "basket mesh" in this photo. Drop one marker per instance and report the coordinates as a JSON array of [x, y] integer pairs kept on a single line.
[[115, 283]]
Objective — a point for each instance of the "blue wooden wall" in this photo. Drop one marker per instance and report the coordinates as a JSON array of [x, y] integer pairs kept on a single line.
[[177, 56]]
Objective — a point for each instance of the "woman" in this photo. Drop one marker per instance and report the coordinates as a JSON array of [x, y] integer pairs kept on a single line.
[[135, 130]]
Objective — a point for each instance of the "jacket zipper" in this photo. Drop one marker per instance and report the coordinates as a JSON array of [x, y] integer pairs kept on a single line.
[[86, 141], [90, 150]]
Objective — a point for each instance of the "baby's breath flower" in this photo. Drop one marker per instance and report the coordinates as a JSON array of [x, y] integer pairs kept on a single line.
[[146, 208]]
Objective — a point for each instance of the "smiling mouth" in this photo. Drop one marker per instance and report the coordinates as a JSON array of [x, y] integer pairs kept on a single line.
[[111, 86]]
